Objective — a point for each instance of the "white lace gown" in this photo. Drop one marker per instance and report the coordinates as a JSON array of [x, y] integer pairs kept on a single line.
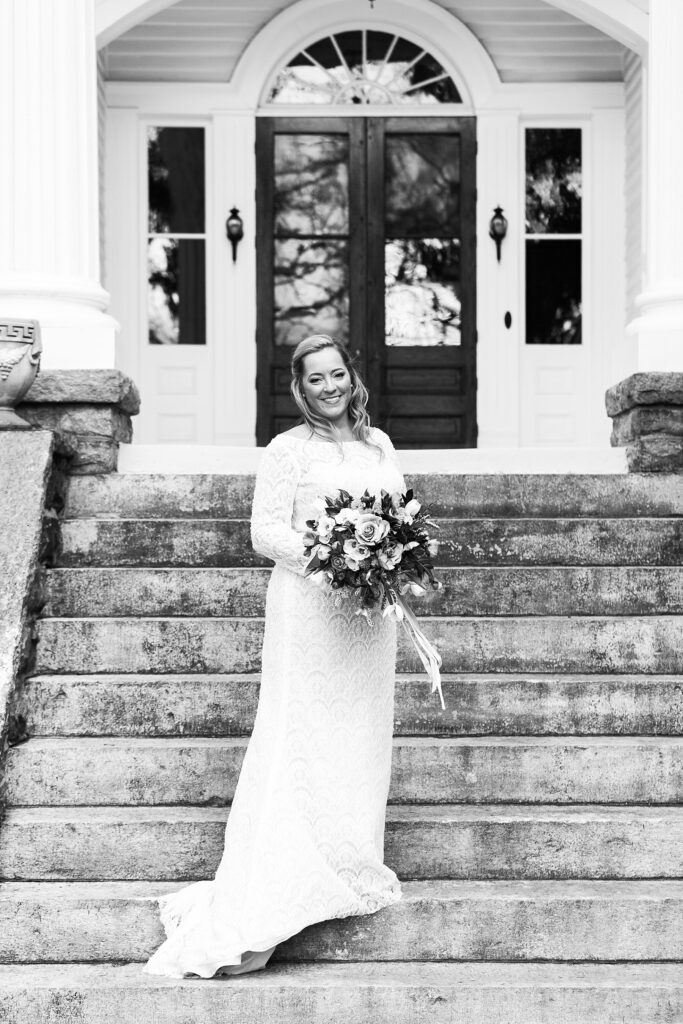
[[305, 837]]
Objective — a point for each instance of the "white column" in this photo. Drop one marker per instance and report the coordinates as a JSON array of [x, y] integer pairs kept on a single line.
[[659, 324], [49, 224]]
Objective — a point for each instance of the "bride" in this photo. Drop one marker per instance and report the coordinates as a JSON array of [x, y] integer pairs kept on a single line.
[[305, 838]]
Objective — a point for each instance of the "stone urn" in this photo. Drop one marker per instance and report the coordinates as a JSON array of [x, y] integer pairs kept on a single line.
[[20, 348]]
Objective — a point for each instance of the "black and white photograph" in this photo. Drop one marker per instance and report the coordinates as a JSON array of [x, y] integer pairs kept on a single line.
[[341, 512]]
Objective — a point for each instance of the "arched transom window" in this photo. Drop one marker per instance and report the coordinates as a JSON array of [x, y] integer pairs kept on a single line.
[[364, 66]]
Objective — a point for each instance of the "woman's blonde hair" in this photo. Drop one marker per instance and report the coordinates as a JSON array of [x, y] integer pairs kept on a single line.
[[357, 409]]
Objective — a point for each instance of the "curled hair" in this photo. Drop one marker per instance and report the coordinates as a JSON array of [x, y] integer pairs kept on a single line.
[[357, 407]]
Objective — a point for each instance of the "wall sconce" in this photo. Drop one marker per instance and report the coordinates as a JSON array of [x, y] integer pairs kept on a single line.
[[498, 229], [234, 229]]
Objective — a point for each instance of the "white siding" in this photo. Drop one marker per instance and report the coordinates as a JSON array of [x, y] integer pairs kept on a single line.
[[101, 131], [633, 98], [201, 40]]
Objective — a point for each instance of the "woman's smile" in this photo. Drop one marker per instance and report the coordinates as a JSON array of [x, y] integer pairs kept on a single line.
[[323, 371]]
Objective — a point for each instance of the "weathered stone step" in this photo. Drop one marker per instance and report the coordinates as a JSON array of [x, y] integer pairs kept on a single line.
[[329, 993], [509, 644], [485, 921], [421, 842], [225, 705], [226, 542], [164, 496], [475, 590], [538, 770]]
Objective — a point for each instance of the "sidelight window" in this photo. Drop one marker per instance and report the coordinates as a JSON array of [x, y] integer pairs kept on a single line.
[[176, 239], [554, 226]]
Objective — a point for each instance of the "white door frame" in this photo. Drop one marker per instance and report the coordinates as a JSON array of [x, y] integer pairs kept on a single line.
[[230, 110]]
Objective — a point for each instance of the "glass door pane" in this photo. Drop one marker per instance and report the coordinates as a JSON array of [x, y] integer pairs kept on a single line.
[[422, 303], [422, 279], [311, 237]]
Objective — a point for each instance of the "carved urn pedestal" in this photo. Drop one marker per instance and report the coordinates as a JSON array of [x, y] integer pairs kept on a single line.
[[20, 348]]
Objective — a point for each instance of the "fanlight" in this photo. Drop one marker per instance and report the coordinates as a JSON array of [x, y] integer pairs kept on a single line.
[[364, 66]]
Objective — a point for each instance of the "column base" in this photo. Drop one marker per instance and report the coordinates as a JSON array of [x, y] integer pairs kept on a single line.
[[659, 330], [76, 331], [647, 420]]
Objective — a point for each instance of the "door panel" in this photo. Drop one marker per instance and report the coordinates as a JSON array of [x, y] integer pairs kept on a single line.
[[422, 247], [363, 227], [309, 230]]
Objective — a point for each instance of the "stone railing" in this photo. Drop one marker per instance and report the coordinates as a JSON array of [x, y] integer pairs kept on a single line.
[[647, 420], [78, 417], [89, 412]]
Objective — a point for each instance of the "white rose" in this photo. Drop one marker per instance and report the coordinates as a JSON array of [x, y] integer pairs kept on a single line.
[[390, 555], [325, 527], [370, 529], [355, 553], [347, 517], [412, 507]]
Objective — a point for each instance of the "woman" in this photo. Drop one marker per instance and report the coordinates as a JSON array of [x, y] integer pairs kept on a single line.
[[304, 840]]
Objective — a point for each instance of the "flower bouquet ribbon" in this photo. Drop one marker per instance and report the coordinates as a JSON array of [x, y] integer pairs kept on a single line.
[[429, 656], [377, 547]]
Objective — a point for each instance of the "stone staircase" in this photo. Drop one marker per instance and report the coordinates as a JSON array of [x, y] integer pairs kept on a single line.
[[537, 823]]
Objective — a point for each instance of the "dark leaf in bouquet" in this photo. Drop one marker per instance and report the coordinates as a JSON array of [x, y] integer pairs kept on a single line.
[[314, 564]]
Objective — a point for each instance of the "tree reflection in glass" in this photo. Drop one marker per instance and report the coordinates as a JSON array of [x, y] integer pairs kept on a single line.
[[422, 185], [554, 181], [421, 292], [422, 249], [311, 214], [311, 184], [311, 292], [175, 292]]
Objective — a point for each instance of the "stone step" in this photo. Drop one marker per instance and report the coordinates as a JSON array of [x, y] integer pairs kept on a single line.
[[626, 644], [167, 496], [225, 705], [484, 921], [537, 770], [332, 993], [226, 542], [421, 842], [384, 993], [476, 590]]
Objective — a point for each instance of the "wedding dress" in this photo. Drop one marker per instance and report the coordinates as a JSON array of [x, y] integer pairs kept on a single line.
[[305, 837]]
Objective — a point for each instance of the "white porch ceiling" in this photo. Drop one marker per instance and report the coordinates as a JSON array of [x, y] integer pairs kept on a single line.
[[201, 41]]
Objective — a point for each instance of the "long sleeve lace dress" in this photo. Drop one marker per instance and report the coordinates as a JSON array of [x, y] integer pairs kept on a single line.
[[305, 837]]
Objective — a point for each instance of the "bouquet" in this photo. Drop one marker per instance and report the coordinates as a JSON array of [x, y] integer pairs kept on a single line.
[[377, 548]]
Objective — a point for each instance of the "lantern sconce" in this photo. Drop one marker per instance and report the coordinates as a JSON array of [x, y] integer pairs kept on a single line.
[[498, 229], [234, 229]]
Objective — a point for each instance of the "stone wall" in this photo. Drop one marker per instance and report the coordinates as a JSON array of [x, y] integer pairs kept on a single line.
[[89, 412], [647, 420], [25, 464]]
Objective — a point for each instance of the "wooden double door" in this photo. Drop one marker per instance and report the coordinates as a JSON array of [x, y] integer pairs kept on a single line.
[[366, 232]]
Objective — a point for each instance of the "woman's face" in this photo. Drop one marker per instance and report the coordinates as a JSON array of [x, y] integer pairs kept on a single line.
[[326, 383]]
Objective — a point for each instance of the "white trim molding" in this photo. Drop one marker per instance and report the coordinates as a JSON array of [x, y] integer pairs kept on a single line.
[[114, 17], [474, 73], [621, 19]]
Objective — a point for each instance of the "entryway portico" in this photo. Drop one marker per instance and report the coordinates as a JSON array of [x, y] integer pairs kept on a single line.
[[528, 394]]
